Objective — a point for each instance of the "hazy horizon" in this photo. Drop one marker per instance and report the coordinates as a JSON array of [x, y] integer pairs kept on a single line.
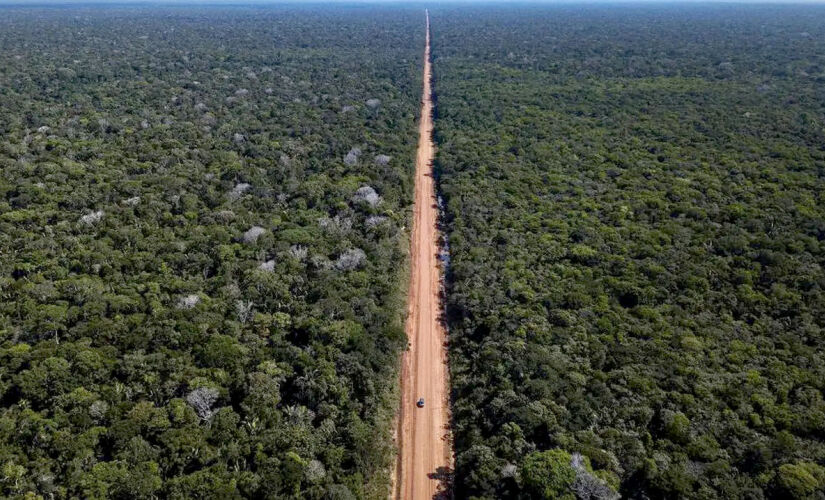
[[422, 3]]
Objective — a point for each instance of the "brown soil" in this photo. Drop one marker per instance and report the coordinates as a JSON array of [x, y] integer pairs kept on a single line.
[[425, 457]]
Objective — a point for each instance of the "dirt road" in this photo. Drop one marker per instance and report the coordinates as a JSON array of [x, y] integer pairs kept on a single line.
[[425, 456]]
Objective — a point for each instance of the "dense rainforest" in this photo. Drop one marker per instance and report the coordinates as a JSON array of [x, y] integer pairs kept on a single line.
[[202, 243], [634, 206]]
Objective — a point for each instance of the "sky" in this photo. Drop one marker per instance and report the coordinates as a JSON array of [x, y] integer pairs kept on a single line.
[[398, 2], [416, 2]]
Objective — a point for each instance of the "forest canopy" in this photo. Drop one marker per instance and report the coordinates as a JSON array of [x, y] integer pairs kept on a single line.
[[202, 216], [637, 232], [204, 220]]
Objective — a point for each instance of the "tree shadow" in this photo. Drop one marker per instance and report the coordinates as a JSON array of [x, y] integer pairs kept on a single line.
[[444, 476]]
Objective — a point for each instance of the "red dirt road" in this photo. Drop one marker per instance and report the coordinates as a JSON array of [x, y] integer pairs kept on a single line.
[[425, 456]]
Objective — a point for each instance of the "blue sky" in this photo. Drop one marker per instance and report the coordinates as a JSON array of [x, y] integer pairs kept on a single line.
[[415, 2]]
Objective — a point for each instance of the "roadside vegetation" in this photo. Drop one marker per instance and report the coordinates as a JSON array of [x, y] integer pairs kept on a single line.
[[637, 230], [202, 240]]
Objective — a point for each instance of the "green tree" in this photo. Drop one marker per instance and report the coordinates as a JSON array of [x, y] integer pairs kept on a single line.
[[800, 480], [548, 474]]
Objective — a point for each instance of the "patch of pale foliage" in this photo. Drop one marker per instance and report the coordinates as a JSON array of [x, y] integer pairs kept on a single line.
[[509, 470], [225, 215], [382, 160], [98, 409], [298, 252], [315, 471], [366, 194], [375, 220], [245, 310], [252, 234], [586, 486], [335, 225], [188, 301], [201, 400], [239, 190], [92, 217], [351, 260], [352, 157]]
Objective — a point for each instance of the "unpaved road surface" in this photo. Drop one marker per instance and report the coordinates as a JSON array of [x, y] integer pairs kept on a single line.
[[425, 457]]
